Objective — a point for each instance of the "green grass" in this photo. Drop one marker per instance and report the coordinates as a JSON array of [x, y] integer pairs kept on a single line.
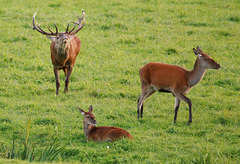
[[119, 37]]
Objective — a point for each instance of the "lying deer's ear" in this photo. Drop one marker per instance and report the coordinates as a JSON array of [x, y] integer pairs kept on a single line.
[[52, 38], [197, 52], [82, 111], [90, 108], [199, 49]]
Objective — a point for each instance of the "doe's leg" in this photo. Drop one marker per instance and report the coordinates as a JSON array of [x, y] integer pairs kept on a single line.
[[146, 92], [187, 100], [177, 104]]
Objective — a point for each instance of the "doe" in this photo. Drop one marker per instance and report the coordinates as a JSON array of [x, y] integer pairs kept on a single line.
[[64, 49], [174, 79], [100, 133]]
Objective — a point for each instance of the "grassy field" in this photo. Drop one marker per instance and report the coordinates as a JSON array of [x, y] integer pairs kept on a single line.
[[119, 37]]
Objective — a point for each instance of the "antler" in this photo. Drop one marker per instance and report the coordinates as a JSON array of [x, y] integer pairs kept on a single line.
[[37, 27], [80, 26], [67, 32], [71, 32]]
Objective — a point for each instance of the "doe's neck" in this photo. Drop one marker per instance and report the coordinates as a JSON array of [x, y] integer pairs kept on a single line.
[[197, 73]]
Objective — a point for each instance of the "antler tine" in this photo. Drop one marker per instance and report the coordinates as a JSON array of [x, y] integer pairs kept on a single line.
[[67, 28], [39, 29], [79, 24], [72, 29], [50, 30], [34, 25], [74, 22], [56, 28]]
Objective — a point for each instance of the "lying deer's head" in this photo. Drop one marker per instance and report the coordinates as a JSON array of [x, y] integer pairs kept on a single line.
[[60, 38], [89, 118]]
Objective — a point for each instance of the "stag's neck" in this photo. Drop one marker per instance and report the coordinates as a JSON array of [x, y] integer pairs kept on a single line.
[[197, 73], [87, 129], [62, 49]]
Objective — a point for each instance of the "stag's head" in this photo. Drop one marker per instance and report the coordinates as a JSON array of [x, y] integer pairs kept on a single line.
[[63, 37]]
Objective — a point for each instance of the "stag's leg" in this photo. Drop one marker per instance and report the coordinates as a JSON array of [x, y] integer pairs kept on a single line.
[[69, 71], [177, 104], [187, 100], [146, 92], [65, 71], [56, 72]]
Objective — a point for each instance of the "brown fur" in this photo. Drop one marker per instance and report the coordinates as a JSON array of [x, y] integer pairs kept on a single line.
[[164, 76], [107, 133], [67, 57]]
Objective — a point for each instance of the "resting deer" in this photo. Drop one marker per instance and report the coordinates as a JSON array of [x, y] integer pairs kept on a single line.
[[64, 49], [174, 79], [101, 133]]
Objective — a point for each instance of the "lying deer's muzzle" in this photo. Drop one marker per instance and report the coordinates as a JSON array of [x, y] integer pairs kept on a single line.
[[94, 122], [218, 66]]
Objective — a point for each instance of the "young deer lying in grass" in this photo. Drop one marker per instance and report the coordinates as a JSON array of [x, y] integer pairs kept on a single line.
[[101, 133], [174, 79]]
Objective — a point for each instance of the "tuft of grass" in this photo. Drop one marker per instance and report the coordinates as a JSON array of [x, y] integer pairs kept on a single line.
[[234, 18], [51, 151], [25, 150], [171, 51]]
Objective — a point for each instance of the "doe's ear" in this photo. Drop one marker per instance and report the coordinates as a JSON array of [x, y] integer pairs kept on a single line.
[[52, 38], [197, 52], [82, 111], [90, 108]]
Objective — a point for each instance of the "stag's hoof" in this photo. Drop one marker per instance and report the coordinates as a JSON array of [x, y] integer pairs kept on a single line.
[[189, 122]]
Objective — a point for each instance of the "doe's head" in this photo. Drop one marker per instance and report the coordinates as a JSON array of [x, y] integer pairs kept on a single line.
[[205, 60], [89, 118]]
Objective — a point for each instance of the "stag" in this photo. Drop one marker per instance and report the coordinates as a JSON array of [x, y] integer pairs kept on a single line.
[[64, 48]]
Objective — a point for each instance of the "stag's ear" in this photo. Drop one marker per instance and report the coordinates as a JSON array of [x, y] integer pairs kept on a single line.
[[82, 111], [52, 38], [70, 37], [90, 108], [197, 52]]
